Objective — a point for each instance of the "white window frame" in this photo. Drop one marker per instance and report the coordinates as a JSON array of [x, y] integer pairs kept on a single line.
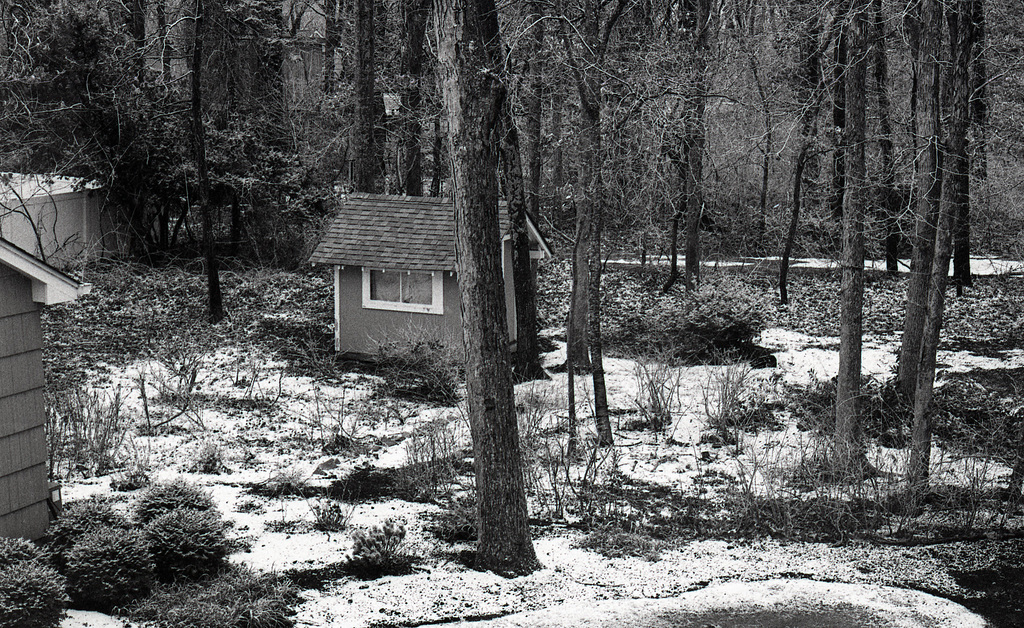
[[436, 305]]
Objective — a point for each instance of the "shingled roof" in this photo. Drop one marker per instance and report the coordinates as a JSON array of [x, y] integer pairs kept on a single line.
[[393, 232]]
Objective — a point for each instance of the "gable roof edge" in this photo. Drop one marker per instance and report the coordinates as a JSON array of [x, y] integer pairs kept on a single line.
[[49, 285]]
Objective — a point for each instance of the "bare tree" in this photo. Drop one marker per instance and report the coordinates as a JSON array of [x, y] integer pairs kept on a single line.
[[925, 24], [369, 111], [216, 304], [849, 443], [472, 64], [810, 88], [953, 198], [415, 27], [526, 359]]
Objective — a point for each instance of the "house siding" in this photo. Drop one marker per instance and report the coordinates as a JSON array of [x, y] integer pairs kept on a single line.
[[23, 481], [360, 331], [59, 228]]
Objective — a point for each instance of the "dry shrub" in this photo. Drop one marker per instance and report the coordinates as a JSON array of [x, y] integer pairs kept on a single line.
[[86, 431], [421, 364]]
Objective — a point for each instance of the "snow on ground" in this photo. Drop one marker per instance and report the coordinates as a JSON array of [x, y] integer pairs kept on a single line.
[[267, 423], [980, 266]]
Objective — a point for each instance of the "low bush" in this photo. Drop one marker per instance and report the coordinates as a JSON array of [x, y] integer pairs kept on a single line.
[[237, 598], [615, 543], [160, 499], [108, 568], [17, 550], [187, 544], [719, 321], [32, 594], [457, 522], [378, 551], [365, 482], [331, 515], [78, 518], [887, 414], [421, 365], [433, 460]]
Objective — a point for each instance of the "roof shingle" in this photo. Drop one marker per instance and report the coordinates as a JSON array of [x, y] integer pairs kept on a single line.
[[393, 232]]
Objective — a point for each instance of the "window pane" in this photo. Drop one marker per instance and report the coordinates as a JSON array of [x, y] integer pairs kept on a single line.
[[385, 286], [417, 288]]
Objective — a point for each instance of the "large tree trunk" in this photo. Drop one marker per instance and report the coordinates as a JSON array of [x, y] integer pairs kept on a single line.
[[849, 444], [470, 54], [331, 42], [839, 109], [365, 148], [810, 89], [415, 25], [890, 204], [977, 149], [695, 143], [526, 359], [928, 189], [215, 303], [954, 195], [534, 110]]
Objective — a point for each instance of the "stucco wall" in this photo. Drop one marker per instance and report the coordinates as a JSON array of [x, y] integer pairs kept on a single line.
[[23, 483], [360, 331]]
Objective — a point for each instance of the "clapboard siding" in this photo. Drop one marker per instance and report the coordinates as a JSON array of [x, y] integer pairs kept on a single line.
[[20, 412], [23, 488], [20, 373], [16, 291], [21, 450], [23, 484], [21, 333], [28, 522]]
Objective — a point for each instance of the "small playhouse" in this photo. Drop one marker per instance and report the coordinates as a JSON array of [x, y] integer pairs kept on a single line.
[[394, 269], [26, 284], [57, 219]]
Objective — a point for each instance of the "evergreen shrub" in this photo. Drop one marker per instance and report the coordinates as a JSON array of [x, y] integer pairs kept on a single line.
[[163, 498], [720, 320], [17, 550], [32, 593], [187, 544], [78, 518], [378, 551], [109, 567], [238, 597]]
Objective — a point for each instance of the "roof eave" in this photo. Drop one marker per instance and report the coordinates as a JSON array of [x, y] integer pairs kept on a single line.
[[49, 285]]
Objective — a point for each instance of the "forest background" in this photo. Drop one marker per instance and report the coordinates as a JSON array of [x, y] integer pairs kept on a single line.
[[731, 112]]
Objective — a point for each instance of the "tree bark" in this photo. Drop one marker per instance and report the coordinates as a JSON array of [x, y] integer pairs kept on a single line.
[[954, 195], [215, 302], [331, 42], [137, 26], [839, 109], [849, 444], [678, 157], [415, 25], [695, 144], [928, 190], [365, 148], [810, 86], [526, 358], [557, 161], [471, 58], [534, 110], [890, 205]]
